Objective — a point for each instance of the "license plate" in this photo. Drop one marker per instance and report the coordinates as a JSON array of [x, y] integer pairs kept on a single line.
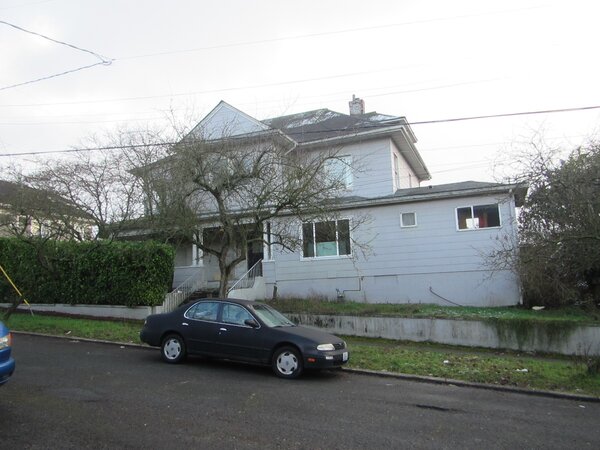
[[345, 356]]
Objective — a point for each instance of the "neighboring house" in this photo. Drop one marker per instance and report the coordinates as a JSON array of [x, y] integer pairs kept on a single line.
[[423, 244], [25, 211]]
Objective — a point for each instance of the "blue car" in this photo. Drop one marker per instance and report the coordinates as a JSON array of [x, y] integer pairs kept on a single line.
[[7, 364]]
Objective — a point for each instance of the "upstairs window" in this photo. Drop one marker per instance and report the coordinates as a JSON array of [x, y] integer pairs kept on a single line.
[[477, 217], [322, 239], [339, 169]]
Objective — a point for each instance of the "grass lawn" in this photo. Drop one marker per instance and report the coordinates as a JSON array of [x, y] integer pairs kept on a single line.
[[316, 306], [460, 363]]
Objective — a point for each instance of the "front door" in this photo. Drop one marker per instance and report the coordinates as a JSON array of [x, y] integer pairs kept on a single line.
[[255, 253]]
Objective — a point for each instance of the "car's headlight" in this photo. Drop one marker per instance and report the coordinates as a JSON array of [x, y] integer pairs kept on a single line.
[[325, 347], [5, 341]]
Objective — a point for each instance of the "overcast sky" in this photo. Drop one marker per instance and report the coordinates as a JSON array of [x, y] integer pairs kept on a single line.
[[425, 60]]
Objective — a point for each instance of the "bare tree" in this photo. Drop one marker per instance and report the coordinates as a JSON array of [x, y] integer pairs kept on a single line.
[[91, 189], [558, 255]]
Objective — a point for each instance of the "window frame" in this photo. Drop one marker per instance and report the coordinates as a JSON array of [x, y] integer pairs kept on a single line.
[[337, 240], [472, 208]]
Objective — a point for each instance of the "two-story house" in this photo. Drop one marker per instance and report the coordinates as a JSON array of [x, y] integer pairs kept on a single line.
[[29, 212], [427, 244]]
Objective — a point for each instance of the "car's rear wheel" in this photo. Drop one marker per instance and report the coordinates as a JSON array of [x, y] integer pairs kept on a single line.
[[287, 362], [173, 349]]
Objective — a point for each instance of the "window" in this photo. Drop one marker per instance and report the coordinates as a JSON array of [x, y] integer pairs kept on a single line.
[[476, 217], [408, 219], [235, 314], [396, 172], [331, 238], [203, 311], [340, 169]]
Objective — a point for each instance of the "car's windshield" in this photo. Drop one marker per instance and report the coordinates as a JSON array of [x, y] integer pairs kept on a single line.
[[271, 317]]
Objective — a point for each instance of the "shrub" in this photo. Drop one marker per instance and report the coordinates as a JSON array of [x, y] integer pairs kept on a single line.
[[100, 273]]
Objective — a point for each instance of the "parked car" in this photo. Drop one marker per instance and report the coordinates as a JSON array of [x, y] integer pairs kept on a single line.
[[7, 363], [245, 331]]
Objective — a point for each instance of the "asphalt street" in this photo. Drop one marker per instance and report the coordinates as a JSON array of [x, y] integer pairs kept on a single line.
[[73, 394]]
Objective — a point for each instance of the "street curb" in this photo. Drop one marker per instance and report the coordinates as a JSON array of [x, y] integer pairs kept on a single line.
[[489, 387], [383, 374]]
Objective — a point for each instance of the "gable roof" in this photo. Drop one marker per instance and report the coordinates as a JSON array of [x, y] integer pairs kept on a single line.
[[227, 121], [314, 128]]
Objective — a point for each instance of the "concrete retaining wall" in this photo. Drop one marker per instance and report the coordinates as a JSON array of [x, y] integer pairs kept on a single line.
[[540, 337], [120, 312], [549, 338]]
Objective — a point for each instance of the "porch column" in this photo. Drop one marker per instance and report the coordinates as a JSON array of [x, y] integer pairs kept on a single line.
[[197, 253]]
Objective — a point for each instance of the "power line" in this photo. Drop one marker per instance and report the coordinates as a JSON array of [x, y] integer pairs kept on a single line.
[[103, 60], [370, 127], [327, 33], [493, 116], [52, 76], [233, 88]]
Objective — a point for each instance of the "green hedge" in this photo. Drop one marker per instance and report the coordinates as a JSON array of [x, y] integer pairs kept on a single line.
[[92, 273]]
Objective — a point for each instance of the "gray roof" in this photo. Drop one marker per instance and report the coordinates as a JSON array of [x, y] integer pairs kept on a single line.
[[17, 194], [450, 187], [325, 124], [428, 193]]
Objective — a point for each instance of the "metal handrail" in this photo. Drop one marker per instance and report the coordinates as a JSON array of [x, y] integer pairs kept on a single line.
[[174, 298], [247, 280]]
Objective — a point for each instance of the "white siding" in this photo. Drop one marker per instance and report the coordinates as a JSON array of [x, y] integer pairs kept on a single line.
[[408, 177], [430, 263], [372, 169]]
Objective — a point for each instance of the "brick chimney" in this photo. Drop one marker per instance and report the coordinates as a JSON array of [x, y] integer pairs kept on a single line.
[[357, 106]]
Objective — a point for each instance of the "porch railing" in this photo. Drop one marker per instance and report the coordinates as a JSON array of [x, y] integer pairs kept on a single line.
[[247, 280], [174, 298]]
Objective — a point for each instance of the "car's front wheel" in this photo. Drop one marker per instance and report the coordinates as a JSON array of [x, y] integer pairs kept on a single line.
[[287, 362], [173, 349]]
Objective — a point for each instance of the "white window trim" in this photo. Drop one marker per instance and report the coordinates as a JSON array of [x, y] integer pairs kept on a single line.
[[337, 242], [472, 216], [396, 170], [402, 221]]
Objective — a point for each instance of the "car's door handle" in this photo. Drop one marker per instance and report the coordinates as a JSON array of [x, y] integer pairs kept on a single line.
[[185, 324], [222, 329]]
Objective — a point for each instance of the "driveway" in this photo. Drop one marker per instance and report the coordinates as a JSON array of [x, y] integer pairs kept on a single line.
[[72, 394]]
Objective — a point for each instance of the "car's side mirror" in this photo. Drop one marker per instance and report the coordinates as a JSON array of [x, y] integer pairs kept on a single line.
[[251, 323]]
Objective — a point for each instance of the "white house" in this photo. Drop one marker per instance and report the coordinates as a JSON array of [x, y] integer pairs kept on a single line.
[[427, 244]]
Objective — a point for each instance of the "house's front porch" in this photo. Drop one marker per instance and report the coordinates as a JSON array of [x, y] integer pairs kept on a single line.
[[200, 270]]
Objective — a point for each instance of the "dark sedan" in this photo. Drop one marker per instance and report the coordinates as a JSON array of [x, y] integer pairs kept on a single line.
[[245, 331]]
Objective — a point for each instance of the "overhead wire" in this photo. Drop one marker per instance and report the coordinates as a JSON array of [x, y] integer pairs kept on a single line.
[[103, 59], [385, 124]]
